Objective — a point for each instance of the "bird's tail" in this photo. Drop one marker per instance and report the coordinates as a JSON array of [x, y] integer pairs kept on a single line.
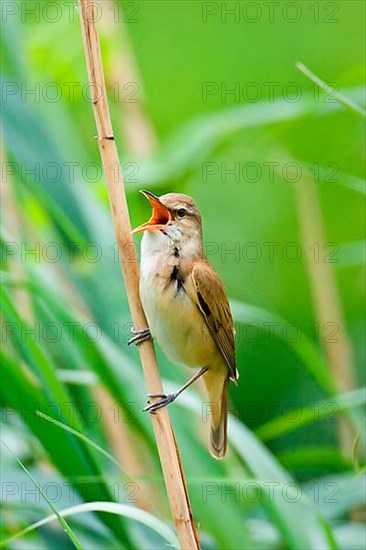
[[218, 397]]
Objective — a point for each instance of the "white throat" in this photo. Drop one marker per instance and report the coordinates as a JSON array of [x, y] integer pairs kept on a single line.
[[171, 242]]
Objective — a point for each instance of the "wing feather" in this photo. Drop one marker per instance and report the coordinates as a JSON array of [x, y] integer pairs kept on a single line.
[[213, 303]]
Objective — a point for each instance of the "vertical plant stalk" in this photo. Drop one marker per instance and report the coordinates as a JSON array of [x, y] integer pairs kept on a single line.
[[139, 140], [13, 225], [135, 124], [326, 299], [168, 451]]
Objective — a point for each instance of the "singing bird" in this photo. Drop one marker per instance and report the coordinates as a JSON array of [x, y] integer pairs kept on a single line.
[[186, 306]]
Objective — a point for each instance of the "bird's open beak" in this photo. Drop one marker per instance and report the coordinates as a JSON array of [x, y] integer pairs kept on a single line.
[[160, 218]]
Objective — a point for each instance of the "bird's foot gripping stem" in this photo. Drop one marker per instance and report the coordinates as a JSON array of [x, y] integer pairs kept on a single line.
[[139, 336], [166, 398]]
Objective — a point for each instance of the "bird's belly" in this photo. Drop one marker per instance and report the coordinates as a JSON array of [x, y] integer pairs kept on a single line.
[[177, 324]]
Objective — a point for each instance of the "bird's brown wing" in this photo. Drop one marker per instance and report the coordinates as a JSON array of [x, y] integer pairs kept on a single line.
[[210, 297]]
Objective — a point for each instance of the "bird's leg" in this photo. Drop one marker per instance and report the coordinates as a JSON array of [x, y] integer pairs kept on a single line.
[[140, 336], [167, 398]]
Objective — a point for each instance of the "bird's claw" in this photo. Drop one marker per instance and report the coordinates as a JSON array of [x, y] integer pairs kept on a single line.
[[140, 336], [165, 399]]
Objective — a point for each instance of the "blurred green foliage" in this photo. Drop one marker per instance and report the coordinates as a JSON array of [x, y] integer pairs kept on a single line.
[[229, 110]]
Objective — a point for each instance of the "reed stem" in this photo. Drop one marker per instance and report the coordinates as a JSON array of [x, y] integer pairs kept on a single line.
[[168, 452]]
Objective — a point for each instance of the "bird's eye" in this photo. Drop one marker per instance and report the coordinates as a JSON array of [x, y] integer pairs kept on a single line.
[[181, 212]]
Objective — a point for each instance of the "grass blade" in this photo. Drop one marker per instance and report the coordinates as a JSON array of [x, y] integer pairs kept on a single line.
[[337, 95], [314, 412], [72, 457], [288, 514], [307, 351], [84, 438], [56, 513], [109, 507]]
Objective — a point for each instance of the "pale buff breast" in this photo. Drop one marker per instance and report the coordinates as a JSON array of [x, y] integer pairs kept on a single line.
[[174, 320]]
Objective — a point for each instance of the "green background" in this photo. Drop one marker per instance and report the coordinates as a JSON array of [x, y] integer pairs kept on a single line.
[[176, 50]]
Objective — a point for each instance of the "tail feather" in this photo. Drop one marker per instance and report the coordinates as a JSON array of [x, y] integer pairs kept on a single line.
[[218, 433]]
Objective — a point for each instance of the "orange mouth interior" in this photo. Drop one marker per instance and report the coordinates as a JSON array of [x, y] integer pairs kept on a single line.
[[160, 217]]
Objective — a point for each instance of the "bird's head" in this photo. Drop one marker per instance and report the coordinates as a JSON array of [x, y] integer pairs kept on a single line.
[[174, 214]]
